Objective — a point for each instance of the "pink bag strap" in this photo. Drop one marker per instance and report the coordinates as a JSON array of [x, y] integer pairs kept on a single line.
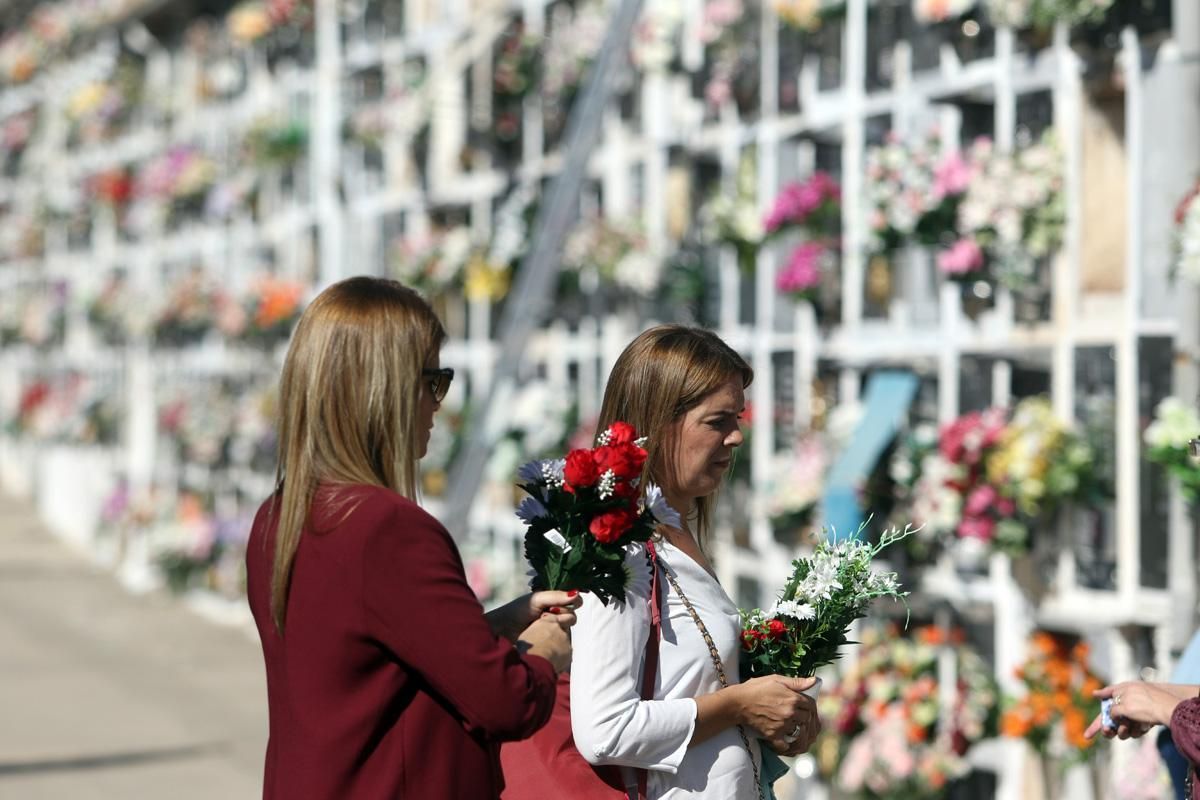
[[650, 669]]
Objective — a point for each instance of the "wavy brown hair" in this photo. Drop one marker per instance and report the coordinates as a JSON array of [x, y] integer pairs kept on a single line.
[[660, 376], [349, 398]]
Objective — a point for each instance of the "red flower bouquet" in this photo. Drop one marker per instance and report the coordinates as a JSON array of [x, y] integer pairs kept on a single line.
[[585, 509]]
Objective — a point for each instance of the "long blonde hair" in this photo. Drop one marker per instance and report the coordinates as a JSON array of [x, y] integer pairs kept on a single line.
[[660, 376], [349, 405]]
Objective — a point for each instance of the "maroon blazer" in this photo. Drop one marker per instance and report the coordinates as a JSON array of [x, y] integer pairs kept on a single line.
[[388, 682], [1185, 733]]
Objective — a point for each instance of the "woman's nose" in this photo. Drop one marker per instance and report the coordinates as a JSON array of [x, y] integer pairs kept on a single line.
[[735, 438]]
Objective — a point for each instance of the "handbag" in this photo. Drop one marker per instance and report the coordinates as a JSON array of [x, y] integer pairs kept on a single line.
[[547, 765]]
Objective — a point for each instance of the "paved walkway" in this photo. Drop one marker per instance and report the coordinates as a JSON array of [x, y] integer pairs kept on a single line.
[[104, 694]]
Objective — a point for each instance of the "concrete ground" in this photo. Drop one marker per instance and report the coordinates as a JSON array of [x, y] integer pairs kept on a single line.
[[105, 694]]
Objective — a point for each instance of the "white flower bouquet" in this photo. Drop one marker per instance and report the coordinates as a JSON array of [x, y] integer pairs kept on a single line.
[[827, 592]]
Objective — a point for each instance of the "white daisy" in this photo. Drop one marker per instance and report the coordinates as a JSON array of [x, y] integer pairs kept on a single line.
[[790, 608], [662, 511]]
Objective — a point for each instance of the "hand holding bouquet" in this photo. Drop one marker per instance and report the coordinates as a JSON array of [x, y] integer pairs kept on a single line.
[[585, 509], [826, 593]]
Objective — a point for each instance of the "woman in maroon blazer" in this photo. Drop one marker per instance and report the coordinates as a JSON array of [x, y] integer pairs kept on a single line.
[[1138, 706], [385, 679]]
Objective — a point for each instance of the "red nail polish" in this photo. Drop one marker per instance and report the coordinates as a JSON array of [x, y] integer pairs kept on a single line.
[[572, 593], [555, 610]]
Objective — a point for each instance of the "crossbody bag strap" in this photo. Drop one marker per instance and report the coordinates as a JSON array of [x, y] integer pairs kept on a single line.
[[720, 667]]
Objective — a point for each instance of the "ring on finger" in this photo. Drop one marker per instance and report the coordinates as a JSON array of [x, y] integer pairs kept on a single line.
[[794, 735]]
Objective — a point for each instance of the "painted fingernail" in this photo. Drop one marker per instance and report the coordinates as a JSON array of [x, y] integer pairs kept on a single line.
[[572, 593], [555, 610]]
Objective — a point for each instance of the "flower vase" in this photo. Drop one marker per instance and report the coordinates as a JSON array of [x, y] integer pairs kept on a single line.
[[877, 288], [971, 38], [1053, 777], [970, 557], [978, 297], [1029, 577], [1034, 38], [917, 285]]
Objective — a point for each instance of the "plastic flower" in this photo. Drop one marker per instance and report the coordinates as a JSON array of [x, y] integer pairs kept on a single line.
[[964, 257], [793, 609], [802, 274], [1175, 423], [804, 15]]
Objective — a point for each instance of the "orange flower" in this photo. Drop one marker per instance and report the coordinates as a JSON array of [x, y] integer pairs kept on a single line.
[[278, 302], [1043, 711], [1044, 643], [1015, 724], [1074, 724], [1059, 674], [931, 635], [917, 733]]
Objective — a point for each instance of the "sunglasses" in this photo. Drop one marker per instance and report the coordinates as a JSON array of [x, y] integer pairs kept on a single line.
[[439, 382]]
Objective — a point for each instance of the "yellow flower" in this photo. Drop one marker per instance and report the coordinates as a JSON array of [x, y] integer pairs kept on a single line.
[[86, 100], [197, 175], [803, 14], [485, 281], [249, 22]]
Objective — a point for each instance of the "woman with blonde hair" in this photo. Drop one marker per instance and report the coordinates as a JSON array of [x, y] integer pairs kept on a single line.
[[384, 676], [656, 703]]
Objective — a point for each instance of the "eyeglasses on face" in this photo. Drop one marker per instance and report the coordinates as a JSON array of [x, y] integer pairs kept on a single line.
[[439, 381]]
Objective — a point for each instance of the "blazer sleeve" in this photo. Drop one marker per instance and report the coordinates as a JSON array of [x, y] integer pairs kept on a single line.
[[1185, 729], [418, 605], [610, 721]]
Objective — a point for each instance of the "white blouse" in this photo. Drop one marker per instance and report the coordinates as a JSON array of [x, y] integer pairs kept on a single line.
[[610, 721]]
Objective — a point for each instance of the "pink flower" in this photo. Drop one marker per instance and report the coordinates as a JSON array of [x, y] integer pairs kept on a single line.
[[952, 176], [797, 202], [718, 91], [980, 500], [964, 256], [803, 270], [982, 528]]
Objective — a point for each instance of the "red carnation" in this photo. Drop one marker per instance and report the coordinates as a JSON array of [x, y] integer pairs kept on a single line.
[[625, 460], [621, 433], [749, 638], [610, 526], [580, 470], [776, 629], [625, 490]]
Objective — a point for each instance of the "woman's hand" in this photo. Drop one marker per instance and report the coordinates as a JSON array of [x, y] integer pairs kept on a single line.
[[559, 605], [509, 620], [1136, 708], [548, 639], [775, 708]]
